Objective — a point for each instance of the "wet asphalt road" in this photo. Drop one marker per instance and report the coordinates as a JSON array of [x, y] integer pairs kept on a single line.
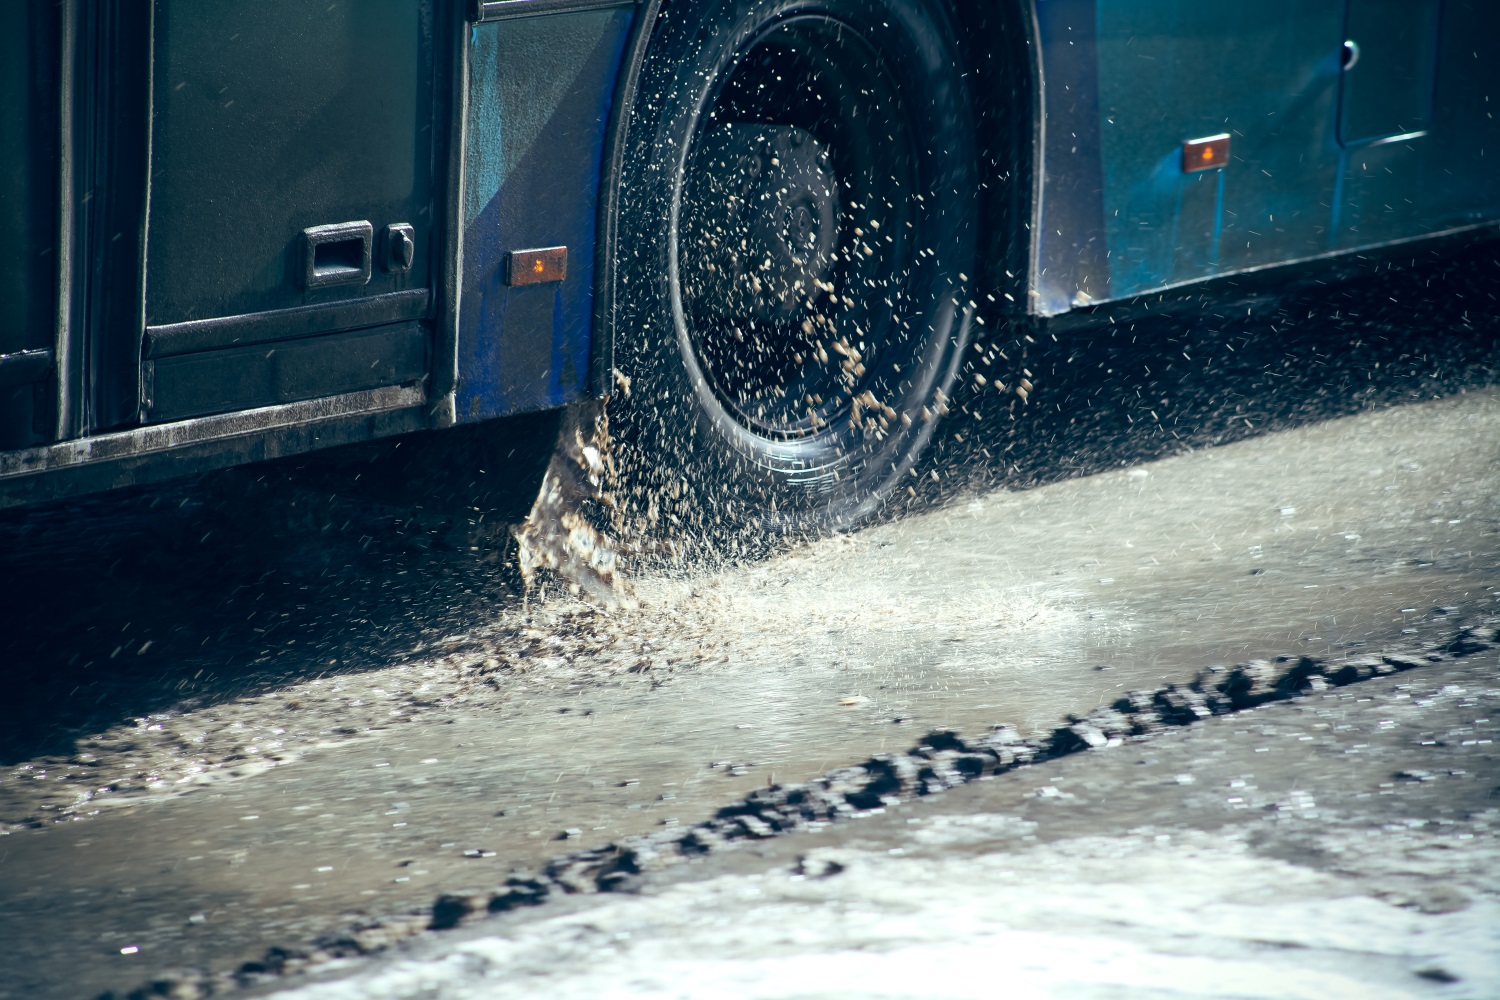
[[1342, 843], [350, 708]]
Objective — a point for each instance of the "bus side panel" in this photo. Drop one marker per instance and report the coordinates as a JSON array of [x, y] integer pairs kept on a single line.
[[1265, 73], [1160, 73], [1462, 183], [540, 94], [1072, 264], [274, 117], [1316, 160]]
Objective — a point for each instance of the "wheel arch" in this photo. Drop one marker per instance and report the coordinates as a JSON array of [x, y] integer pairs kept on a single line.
[[616, 144], [998, 39]]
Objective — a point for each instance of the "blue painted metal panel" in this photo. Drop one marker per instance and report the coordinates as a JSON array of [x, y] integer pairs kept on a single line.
[[1126, 82], [540, 94]]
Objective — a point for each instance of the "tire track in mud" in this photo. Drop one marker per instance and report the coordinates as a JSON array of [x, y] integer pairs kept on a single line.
[[941, 760]]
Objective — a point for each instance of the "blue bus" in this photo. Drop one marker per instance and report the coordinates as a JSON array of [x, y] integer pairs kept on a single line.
[[764, 228]]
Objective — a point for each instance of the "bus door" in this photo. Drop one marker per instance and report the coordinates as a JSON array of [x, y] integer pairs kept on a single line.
[[1389, 60], [30, 51], [294, 224]]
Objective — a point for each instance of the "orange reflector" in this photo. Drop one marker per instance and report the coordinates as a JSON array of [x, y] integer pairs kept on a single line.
[[536, 267], [1205, 154]]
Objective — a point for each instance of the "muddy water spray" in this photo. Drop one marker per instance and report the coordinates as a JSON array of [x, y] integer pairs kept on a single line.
[[558, 537]]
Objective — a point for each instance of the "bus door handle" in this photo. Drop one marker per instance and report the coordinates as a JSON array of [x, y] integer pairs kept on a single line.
[[338, 254]]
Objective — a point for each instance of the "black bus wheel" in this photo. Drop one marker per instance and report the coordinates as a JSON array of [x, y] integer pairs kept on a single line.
[[797, 230]]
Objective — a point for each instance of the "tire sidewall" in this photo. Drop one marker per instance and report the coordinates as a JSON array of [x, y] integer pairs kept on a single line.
[[690, 446]]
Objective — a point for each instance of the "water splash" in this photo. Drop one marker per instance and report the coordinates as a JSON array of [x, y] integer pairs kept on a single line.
[[565, 535]]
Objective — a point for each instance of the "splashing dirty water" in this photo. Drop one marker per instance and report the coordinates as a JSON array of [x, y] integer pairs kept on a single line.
[[558, 538], [580, 554]]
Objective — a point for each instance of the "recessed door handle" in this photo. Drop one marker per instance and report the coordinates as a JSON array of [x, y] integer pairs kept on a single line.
[[338, 254]]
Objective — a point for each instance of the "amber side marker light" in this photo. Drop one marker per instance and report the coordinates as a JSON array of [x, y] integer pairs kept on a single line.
[[537, 267], [1205, 154]]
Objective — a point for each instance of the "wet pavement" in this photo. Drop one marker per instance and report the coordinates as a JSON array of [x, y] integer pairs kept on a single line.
[[1007, 606], [223, 747], [1343, 844]]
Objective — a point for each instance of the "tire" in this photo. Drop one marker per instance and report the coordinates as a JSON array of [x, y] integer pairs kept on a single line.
[[799, 215]]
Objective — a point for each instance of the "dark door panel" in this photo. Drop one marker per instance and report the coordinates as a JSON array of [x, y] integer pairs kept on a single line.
[[272, 119], [1390, 60], [29, 72]]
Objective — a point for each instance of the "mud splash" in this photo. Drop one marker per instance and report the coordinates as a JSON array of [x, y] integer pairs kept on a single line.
[[565, 538]]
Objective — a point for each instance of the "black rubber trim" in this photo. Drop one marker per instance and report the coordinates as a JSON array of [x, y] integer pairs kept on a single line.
[[110, 157], [286, 324]]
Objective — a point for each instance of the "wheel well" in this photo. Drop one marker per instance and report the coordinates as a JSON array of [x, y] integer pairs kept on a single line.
[[616, 139], [999, 48]]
